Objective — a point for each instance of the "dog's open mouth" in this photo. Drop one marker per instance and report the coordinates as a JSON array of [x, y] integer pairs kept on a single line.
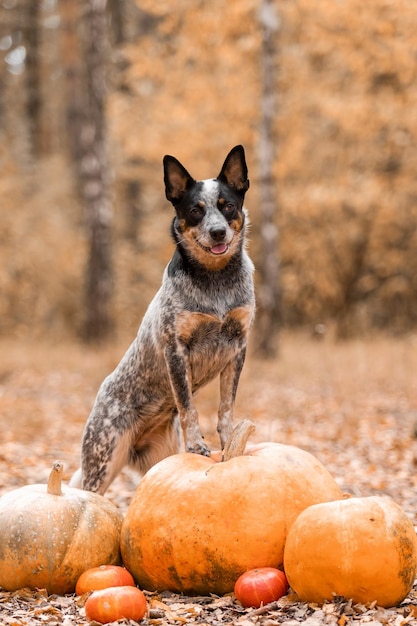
[[219, 248]]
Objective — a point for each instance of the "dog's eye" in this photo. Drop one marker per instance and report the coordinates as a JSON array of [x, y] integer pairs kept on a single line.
[[228, 208], [196, 211]]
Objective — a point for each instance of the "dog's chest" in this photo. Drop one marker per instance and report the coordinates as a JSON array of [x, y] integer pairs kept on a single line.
[[212, 341]]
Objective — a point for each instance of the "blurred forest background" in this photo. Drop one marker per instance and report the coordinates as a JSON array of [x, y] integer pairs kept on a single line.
[[92, 95], [323, 95]]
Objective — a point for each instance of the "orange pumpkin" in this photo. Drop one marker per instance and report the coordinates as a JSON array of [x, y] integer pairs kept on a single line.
[[260, 586], [114, 603], [50, 534], [102, 577], [195, 524], [360, 548]]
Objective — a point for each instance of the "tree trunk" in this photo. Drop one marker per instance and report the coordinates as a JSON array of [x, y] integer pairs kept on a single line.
[[116, 11], [86, 118], [32, 72], [132, 201], [94, 176], [70, 12], [268, 291]]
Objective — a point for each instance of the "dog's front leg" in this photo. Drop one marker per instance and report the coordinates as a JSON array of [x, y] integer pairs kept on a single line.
[[229, 380], [179, 371]]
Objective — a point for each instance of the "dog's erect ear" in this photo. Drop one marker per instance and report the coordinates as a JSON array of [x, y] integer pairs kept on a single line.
[[234, 171], [177, 179]]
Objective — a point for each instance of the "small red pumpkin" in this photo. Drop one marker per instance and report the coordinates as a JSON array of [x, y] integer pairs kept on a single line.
[[260, 586], [113, 603], [103, 577]]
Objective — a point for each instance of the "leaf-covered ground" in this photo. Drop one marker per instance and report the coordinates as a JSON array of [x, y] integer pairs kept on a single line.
[[353, 405]]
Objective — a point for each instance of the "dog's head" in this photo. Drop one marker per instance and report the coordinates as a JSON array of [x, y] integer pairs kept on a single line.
[[210, 218]]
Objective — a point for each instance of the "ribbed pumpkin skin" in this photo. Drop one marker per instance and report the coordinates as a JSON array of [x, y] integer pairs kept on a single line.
[[194, 524], [364, 549], [47, 541]]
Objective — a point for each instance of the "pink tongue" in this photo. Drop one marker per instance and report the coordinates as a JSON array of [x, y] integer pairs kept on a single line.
[[219, 248]]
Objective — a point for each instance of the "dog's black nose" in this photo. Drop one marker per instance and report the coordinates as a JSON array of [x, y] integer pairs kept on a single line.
[[218, 234]]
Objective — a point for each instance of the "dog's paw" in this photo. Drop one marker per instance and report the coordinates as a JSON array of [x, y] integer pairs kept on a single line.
[[199, 448]]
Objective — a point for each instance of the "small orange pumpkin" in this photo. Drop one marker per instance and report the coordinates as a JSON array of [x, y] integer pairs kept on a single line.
[[50, 534], [102, 577], [196, 524], [114, 603], [361, 548]]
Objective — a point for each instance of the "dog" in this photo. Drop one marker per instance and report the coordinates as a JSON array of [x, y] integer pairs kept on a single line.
[[195, 329]]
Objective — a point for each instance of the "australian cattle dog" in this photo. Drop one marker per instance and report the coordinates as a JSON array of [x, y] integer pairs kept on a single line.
[[195, 328]]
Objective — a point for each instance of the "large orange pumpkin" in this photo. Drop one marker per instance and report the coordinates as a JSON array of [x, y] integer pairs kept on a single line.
[[360, 548], [195, 524], [50, 534]]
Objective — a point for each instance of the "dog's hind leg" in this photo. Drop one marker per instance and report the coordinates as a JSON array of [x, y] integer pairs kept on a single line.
[[104, 452]]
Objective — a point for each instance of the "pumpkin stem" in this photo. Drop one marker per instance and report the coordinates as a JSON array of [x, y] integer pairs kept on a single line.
[[55, 478], [236, 444]]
